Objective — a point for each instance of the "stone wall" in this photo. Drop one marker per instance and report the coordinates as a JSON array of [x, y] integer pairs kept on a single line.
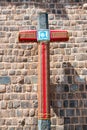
[[18, 65]]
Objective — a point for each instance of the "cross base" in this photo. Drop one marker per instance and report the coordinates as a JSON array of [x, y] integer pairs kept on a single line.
[[44, 124]]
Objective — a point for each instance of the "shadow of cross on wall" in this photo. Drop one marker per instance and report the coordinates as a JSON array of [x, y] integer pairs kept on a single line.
[[69, 99]]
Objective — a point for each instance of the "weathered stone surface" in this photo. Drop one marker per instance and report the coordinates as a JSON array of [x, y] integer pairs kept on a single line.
[[5, 80], [27, 80], [81, 57], [70, 112], [2, 89], [18, 88], [16, 104], [74, 87], [44, 124]]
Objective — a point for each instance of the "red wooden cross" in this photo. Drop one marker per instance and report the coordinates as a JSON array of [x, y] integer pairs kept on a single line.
[[43, 69], [43, 66]]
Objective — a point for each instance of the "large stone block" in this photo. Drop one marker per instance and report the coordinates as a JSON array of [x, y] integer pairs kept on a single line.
[[5, 80], [44, 125]]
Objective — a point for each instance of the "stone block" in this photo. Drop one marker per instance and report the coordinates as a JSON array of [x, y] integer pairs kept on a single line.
[[78, 127], [27, 80], [11, 128], [19, 128], [27, 128], [59, 104], [11, 72], [66, 88], [43, 124], [26, 113], [81, 87], [1, 66], [70, 79], [3, 105], [68, 127], [64, 96], [73, 103], [13, 96], [18, 88], [2, 122], [59, 127], [74, 87], [81, 57], [84, 127], [70, 112], [66, 120], [53, 121], [77, 112], [74, 120], [5, 80], [85, 6], [4, 73], [34, 79], [60, 121], [35, 103], [25, 104], [10, 104], [19, 113], [65, 103], [16, 104], [80, 79], [62, 112], [31, 112], [2, 88], [34, 96], [71, 95], [85, 103]]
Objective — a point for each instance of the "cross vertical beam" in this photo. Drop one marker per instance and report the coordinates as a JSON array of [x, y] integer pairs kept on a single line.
[[43, 77], [43, 37]]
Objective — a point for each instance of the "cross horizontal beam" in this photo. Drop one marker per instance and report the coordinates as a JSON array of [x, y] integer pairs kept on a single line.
[[31, 36]]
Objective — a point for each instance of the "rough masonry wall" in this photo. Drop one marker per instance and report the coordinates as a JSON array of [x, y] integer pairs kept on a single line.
[[18, 65]]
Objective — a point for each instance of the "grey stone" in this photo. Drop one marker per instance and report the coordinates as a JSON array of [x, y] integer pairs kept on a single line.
[[66, 120], [5, 80], [25, 104], [12, 72], [3, 105], [44, 125], [79, 79], [2, 122], [34, 79], [70, 112], [74, 87], [19, 113], [11, 128], [73, 103], [27, 80], [31, 113], [81, 57], [16, 104], [10, 104], [78, 127], [2, 88], [18, 88]]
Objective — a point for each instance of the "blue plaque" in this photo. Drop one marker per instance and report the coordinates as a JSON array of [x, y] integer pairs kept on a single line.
[[43, 35]]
